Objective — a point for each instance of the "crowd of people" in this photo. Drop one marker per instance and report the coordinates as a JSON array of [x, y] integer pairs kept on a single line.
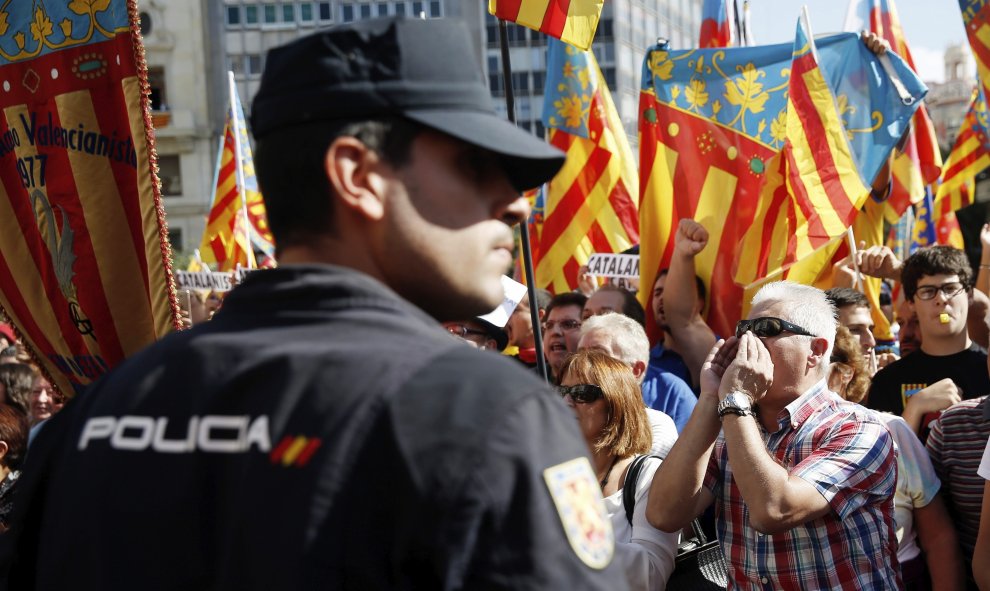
[[350, 421]]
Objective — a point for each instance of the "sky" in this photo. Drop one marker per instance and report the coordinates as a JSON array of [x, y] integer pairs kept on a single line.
[[929, 25]]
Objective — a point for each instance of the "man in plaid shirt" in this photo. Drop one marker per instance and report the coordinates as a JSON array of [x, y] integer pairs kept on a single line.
[[804, 482]]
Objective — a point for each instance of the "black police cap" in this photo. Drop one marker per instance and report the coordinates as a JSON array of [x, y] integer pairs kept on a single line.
[[424, 70]]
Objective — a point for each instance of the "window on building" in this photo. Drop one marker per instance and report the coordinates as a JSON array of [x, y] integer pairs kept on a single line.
[[605, 29], [175, 239], [537, 38], [491, 30], [233, 16], [145, 23], [417, 8], [288, 13], [306, 12], [493, 64], [271, 14], [251, 14], [381, 9], [520, 82], [325, 13], [495, 84], [527, 125], [170, 174], [400, 8], [237, 64], [516, 34], [347, 13], [254, 64], [538, 80], [435, 9], [540, 130], [156, 80], [365, 11]]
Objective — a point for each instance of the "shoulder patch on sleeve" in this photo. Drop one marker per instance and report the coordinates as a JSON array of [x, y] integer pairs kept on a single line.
[[579, 504]]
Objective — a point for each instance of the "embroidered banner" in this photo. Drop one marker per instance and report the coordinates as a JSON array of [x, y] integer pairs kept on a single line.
[[84, 254]]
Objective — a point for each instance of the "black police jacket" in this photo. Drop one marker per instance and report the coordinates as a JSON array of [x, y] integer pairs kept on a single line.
[[318, 433]]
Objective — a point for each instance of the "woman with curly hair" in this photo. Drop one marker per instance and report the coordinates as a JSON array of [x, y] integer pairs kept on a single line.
[[606, 399]]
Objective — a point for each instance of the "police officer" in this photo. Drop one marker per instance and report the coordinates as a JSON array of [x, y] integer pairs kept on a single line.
[[323, 431]]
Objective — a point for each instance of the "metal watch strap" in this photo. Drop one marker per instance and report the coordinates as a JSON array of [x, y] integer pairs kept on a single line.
[[735, 410]]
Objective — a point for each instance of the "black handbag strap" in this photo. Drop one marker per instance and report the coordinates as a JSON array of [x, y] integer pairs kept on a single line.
[[629, 486], [698, 532]]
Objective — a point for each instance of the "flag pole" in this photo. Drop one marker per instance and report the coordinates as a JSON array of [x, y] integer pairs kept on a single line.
[[534, 310], [239, 160]]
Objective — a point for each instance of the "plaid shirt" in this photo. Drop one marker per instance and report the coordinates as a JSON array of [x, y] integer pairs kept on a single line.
[[848, 455]]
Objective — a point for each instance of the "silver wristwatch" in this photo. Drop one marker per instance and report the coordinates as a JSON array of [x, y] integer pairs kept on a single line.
[[736, 403]]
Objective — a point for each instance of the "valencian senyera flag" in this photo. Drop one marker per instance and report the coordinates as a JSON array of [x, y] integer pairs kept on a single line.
[[970, 155], [918, 161], [813, 190], [923, 232], [591, 204], [237, 225], [976, 18], [711, 121], [84, 255], [718, 24], [571, 21], [724, 25]]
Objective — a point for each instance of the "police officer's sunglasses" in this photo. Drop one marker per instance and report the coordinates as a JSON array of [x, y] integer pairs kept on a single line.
[[768, 326], [581, 393]]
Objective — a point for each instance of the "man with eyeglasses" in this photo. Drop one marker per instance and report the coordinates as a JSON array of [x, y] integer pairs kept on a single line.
[[478, 333], [803, 481], [949, 366], [562, 329]]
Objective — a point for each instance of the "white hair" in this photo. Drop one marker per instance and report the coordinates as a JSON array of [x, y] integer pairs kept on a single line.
[[807, 306], [628, 337]]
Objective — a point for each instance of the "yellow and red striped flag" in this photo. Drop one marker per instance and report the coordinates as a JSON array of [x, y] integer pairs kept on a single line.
[[591, 205], [234, 230], [711, 123], [976, 18], [970, 155], [571, 21], [814, 190], [918, 162], [84, 254]]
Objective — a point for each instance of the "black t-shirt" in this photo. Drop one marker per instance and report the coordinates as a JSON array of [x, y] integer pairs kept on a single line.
[[319, 433], [894, 384]]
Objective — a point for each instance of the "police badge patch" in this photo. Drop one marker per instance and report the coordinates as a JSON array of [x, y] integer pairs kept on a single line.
[[579, 503]]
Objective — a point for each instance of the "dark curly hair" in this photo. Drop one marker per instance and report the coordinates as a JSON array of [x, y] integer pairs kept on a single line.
[[935, 260]]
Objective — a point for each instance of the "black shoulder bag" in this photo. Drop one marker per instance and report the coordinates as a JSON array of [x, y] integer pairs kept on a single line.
[[700, 564]]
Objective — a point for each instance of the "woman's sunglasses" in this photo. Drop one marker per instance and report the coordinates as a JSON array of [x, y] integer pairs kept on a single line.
[[581, 393]]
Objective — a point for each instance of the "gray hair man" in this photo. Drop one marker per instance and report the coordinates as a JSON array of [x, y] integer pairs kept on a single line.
[[623, 338], [804, 480]]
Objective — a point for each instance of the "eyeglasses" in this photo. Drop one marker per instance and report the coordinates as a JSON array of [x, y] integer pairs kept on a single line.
[[949, 290], [769, 326], [581, 393], [459, 330], [566, 325]]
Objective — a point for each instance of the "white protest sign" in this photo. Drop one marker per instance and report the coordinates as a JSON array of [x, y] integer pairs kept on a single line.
[[514, 293], [614, 265], [212, 280]]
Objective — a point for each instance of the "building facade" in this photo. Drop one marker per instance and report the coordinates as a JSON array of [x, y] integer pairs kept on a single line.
[[948, 101], [187, 123]]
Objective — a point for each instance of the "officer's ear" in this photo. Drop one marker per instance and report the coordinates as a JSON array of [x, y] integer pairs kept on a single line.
[[354, 171]]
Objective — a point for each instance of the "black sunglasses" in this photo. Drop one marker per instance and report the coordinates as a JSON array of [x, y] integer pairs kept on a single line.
[[768, 326], [581, 393]]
